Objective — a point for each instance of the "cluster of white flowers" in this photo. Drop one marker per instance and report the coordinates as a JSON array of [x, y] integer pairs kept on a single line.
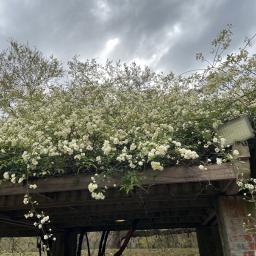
[[188, 154], [92, 186], [133, 139], [98, 195], [26, 199], [106, 148], [156, 166], [61, 127], [41, 221], [218, 161], [6, 175], [95, 191], [13, 178], [32, 186]]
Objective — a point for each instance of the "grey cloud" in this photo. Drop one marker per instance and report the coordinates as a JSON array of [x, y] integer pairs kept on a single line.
[[165, 34], [201, 31]]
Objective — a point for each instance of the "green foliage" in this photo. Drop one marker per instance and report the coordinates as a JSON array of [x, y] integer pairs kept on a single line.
[[130, 181]]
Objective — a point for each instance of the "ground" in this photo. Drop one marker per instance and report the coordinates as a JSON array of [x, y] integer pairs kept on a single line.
[[133, 252]]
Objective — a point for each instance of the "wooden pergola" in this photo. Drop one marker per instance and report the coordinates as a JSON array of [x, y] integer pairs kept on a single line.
[[178, 197]]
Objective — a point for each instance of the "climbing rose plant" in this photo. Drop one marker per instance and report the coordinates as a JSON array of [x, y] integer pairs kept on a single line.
[[116, 119]]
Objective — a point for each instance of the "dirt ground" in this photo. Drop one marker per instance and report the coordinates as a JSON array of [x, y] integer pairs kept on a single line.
[[132, 252]]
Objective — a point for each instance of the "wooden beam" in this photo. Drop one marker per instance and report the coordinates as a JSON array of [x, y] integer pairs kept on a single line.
[[66, 244], [91, 205], [10, 221], [170, 175]]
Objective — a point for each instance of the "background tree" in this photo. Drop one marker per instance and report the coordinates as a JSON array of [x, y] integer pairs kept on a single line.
[[25, 73]]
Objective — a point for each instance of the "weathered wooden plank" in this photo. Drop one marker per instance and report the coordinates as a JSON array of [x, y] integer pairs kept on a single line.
[[170, 175], [151, 223], [66, 244], [123, 204], [153, 194]]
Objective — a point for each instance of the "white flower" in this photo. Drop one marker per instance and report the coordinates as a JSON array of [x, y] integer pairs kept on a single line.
[[217, 150], [44, 219], [222, 141], [6, 175], [140, 163], [201, 167], [116, 141], [78, 157], [219, 161], [176, 143], [98, 196], [34, 162], [132, 147], [188, 154], [98, 159], [92, 187], [25, 156], [170, 128], [156, 166], [89, 147], [151, 154], [132, 165], [215, 140], [235, 152], [240, 184], [161, 150], [25, 200], [106, 147], [33, 186], [20, 180], [215, 125]]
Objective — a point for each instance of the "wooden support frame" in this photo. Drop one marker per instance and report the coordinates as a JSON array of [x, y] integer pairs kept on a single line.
[[65, 245], [171, 175]]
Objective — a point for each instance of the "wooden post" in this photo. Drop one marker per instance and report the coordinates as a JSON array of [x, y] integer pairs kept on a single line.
[[232, 212], [209, 242], [65, 244]]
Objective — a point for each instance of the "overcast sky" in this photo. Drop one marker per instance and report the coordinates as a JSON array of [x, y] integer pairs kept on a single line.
[[164, 34]]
